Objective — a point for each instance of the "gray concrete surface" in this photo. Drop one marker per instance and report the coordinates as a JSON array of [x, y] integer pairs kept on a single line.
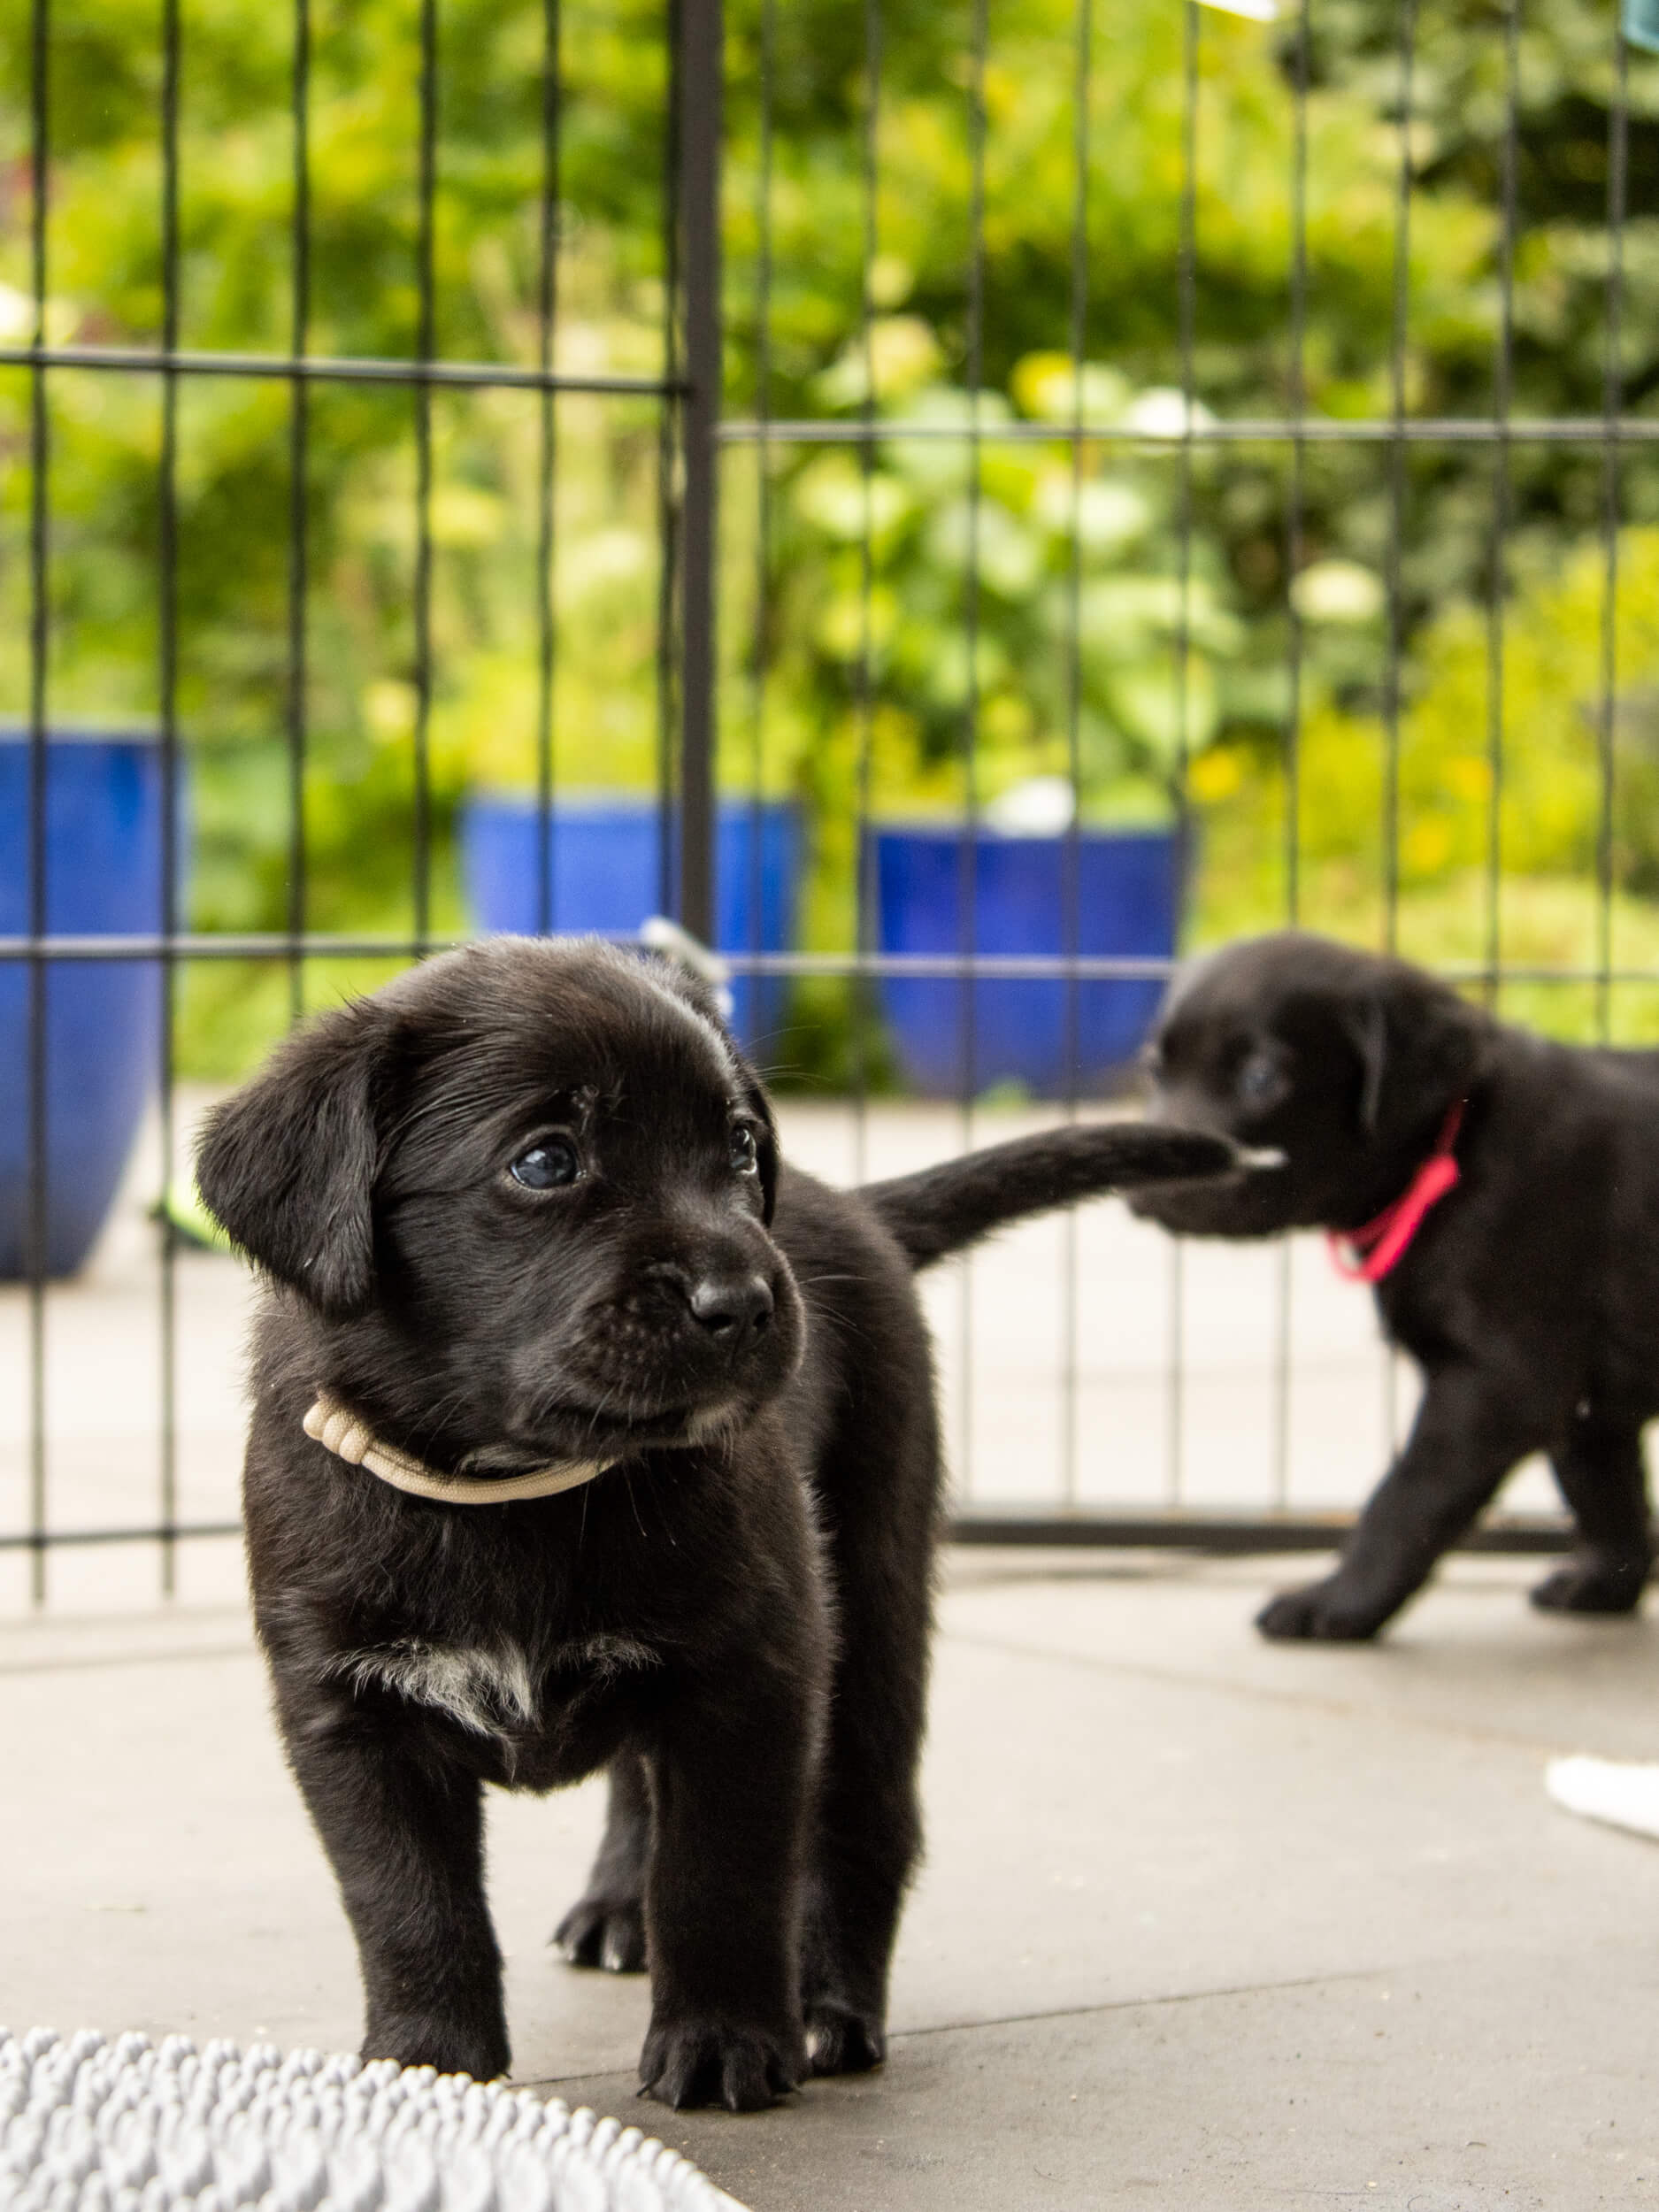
[[1205, 1923]]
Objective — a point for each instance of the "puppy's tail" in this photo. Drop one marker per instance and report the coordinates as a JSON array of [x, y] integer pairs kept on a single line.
[[945, 1209]]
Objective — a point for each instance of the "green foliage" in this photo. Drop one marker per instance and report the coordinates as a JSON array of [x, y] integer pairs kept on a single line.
[[1180, 587]]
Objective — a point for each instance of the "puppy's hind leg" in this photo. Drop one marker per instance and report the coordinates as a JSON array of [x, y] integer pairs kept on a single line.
[[1604, 1479], [1472, 1427], [606, 1925]]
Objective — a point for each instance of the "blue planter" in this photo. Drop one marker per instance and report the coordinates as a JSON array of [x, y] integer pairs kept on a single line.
[[604, 862], [1128, 891], [103, 1026]]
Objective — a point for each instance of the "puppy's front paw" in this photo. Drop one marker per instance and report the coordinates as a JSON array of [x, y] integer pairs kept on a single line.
[[738, 2064], [604, 1931], [840, 2040], [415, 2039], [1591, 1583], [1325, 1611]]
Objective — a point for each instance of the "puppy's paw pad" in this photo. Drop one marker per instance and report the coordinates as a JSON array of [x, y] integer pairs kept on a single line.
[[840, 2041], [1591, 1585], [606, 1932], [717, 2062], [1318, 1614]]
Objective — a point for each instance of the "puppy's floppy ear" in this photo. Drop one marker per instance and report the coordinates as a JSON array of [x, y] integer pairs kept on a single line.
[[287, 1164], [1418, 1047], [1368, 1028]]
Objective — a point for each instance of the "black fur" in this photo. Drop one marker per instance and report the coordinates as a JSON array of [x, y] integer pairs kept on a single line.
[[938, 1211], [733, 1619], [1529, 1297]]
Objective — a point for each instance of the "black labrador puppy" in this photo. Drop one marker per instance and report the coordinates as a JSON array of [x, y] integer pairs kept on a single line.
[[585, 1434], [1501, 1194]]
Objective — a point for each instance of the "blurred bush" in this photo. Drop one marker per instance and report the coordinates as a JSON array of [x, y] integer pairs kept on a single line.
[[817, 699]]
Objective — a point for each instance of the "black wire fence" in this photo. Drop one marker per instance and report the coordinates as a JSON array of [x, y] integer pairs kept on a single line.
[[752, 625]]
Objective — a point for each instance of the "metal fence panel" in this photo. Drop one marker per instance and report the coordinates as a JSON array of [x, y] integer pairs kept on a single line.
[[725, 476]]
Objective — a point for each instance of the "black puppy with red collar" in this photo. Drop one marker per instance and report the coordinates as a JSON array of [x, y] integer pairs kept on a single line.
[[1500, 1192]]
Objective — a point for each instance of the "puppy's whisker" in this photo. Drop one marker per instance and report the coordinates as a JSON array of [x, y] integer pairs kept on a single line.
[[633, 1504], [598, 1412]]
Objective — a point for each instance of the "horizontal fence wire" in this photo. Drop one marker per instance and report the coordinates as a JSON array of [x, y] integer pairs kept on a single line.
[[1217, 1533], [320, 945], [317, 368], [1205, 430]]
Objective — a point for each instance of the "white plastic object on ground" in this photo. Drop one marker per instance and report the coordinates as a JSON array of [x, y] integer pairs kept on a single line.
[[1623, 1793], [87, 2125]]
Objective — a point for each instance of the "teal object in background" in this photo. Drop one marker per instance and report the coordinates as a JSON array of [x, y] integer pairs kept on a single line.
[[1641, 24]]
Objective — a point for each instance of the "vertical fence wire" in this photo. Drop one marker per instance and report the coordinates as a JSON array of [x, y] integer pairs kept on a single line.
[[861, 998], [761, 645], [753, 857], [40, 621], [1071, 857], [299, 470], [426, 351], [1296, 494], [1398, 328], [1502, 399], [702, 88], [969, 872], [1395, 644], [1295, 518], [1186, 291], [547, 459], [167, 564], [668, 502], [1612, 398]]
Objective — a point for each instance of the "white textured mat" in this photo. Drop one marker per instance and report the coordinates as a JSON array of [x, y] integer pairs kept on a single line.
[[1623, 1793], [91, 2126]]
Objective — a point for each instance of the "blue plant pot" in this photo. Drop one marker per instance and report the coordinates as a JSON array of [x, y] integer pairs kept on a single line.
[[605, 875], [103, 1019], [1128, 895]]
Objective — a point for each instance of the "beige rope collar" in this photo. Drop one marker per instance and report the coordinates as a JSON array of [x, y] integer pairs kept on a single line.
[[330, 1425]]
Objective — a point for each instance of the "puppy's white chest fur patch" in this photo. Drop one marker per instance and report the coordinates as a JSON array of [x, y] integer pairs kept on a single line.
[[487, 1688]]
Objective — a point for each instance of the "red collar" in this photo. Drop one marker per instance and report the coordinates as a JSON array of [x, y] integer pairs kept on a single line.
[[1368, 1253]]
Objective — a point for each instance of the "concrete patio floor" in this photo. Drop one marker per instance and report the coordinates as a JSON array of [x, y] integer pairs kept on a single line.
[[1205, 1923]]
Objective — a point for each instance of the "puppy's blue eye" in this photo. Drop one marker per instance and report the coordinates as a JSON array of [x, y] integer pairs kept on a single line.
[[1258, 1081], [745, 1151], [546, 1165]]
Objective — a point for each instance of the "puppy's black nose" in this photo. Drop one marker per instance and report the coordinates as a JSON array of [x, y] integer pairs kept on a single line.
[[732, 1308]]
